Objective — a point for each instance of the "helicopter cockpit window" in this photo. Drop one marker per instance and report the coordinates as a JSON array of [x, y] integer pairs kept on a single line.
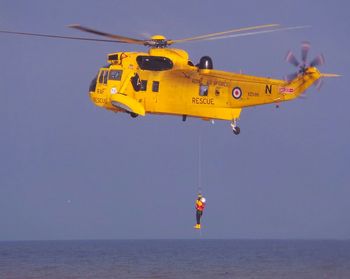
[[115, 74], [100, 78], [92, 86], [154, 63], [105, 76], [203, 90]]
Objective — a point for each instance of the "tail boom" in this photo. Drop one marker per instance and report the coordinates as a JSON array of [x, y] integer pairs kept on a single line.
[[300, 84]]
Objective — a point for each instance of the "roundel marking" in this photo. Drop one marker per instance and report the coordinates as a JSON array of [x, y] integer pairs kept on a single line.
[[236, 93]]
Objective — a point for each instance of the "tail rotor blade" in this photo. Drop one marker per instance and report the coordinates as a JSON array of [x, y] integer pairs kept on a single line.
[[290, 77], [292, 59], [318, 61], [305, 47], [318, 84]]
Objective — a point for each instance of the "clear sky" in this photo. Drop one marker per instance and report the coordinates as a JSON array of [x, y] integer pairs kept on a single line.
[[70, 170]]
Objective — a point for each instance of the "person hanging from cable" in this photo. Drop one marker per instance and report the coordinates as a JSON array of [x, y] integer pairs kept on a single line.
[[200, 204]]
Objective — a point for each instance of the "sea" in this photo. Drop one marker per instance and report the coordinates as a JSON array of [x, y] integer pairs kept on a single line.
[[163, 259]]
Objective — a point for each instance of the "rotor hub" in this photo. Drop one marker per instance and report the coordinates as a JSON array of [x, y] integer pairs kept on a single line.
[[158, 38], [157, 41]]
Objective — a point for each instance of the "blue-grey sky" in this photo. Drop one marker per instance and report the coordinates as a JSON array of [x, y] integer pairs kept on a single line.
[[70, 170]]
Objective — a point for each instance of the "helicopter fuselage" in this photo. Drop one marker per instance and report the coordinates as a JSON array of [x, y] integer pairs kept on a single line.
[[165, 81]]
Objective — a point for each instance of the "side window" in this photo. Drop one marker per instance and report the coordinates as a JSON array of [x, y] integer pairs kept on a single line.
[[115, 74], [143, 85], [217, 91], [154, 63], [203, 90], [155, 86]]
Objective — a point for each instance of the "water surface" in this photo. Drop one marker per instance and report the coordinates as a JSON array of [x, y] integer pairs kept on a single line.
[[175, 259]]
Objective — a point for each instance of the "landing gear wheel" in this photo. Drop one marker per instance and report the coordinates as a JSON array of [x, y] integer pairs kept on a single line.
[[236, 130], [133, 115]]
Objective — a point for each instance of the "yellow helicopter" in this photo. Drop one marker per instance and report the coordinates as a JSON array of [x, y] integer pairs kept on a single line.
[[164, 81]]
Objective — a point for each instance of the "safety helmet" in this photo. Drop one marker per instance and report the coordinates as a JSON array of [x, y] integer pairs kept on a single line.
[[203, 200], [199, 195]]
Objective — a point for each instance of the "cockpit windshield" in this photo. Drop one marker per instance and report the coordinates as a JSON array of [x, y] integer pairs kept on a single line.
[[92, 86]]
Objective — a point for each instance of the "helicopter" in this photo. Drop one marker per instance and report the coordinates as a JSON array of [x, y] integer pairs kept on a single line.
[[164, 81]]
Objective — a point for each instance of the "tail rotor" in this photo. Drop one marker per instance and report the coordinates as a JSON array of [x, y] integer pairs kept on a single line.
[[303, 66]]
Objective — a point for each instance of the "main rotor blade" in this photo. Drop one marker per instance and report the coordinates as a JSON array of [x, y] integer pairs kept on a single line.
[[252, 33], [207, 36], [292, 59], [318, 61], [256, 33], [59, 37], [111, 36], [305, 47]]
